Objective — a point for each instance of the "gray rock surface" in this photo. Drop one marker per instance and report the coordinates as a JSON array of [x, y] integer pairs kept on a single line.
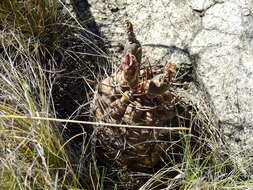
[[225, 66], [217, 37], [201, 5]]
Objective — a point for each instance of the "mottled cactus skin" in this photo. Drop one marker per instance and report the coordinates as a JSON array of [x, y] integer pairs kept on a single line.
[[134, 97]]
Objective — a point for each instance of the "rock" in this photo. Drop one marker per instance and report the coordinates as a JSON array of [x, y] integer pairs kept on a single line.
[[174, 26], [200, 5], [218, 43], [225, 69]]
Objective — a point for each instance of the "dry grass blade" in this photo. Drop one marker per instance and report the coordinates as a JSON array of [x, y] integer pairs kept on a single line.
[[94, 123]]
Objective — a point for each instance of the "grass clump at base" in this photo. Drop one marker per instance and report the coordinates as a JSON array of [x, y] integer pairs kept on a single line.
[[203, 164], [31, 152], [34, 41]]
